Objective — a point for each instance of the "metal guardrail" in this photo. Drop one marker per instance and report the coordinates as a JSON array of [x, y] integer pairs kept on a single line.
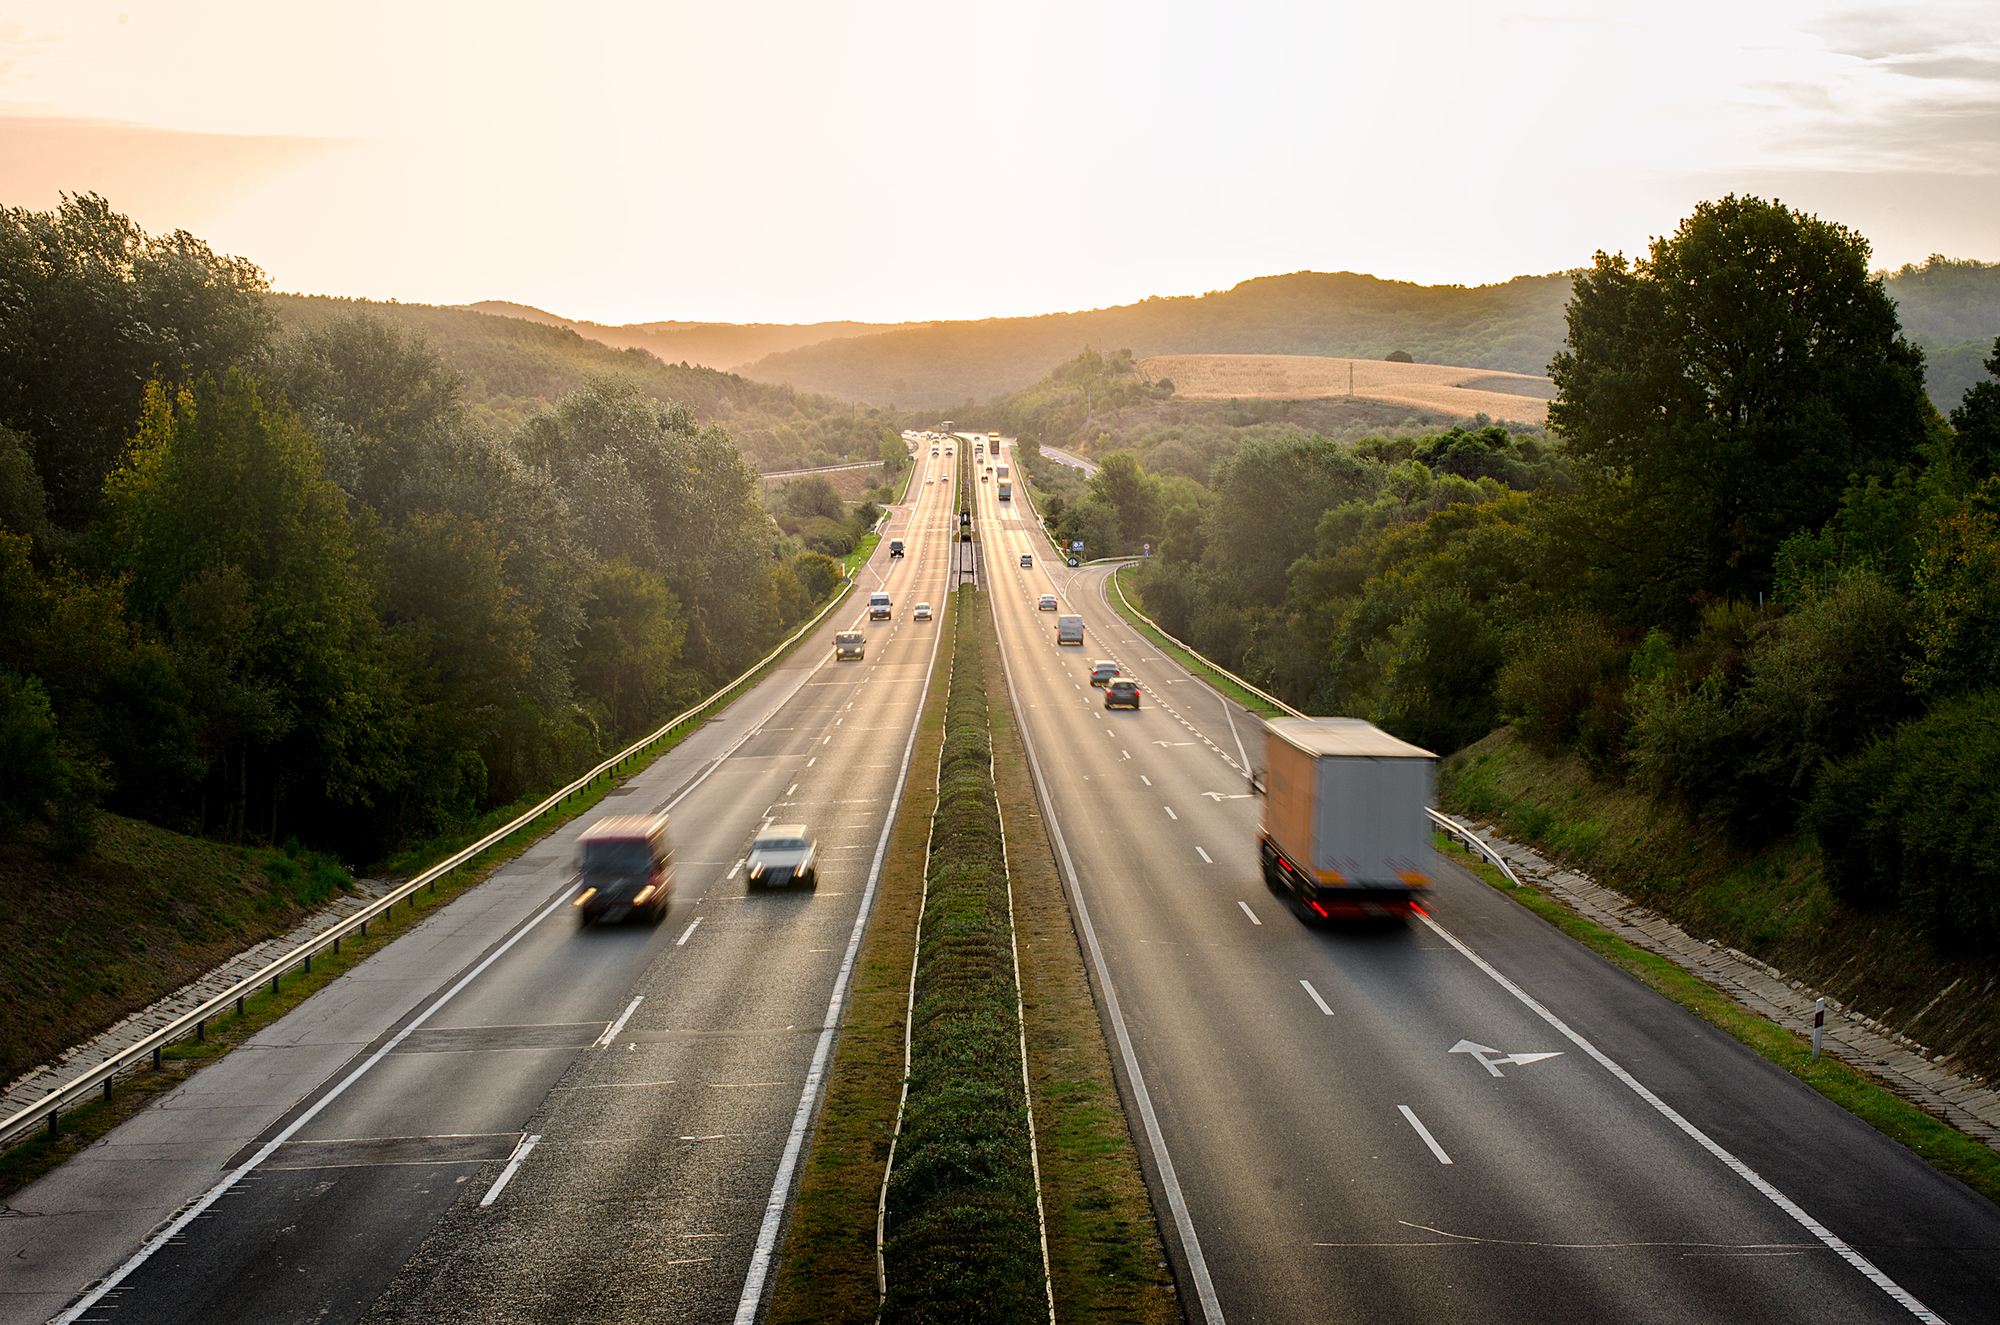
[[48, 1109], [1460, 833], [1272, 700]]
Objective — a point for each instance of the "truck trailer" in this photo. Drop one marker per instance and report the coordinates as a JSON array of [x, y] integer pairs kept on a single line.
[[1345, 836]]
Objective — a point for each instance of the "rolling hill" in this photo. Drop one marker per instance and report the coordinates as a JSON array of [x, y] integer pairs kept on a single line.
[[722, 345]]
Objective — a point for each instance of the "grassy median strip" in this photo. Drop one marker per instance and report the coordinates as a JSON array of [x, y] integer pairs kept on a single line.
[[1971, 1161], [963, 1227]]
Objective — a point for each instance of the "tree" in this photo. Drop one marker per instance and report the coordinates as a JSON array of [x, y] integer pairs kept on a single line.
[[95, 308], [1120, 484], [1977, 422], [626, 655], [1717, 396], [1269, 497]]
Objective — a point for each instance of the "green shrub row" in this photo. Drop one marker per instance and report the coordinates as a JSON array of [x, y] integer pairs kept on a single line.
[[963, 1240]]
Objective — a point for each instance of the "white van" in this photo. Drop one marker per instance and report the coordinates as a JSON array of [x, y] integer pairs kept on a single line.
[[878, 607]]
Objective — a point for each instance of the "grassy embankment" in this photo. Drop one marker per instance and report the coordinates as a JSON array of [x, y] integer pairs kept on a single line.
[[1104, 1251], [1772, 904], [87, 942], [1128, 605]]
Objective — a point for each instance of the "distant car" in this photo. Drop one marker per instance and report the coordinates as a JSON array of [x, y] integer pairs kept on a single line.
[[930, 478], [1027, 559], [1102, 671], [1121, 692], [781, 856], [982, 478], [895, 547], [921, 612], [878, 607], [1047, 603], [624, 868], [849, 644], [933, 450]]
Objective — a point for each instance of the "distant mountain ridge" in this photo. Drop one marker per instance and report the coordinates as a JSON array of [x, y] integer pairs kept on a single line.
[[1512, 327], [720, 345]]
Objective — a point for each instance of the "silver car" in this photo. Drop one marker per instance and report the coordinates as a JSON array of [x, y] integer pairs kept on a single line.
[[782, 855]]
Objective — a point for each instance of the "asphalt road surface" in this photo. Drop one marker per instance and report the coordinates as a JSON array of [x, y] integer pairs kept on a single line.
[[1470, 1119], [575, 1123]]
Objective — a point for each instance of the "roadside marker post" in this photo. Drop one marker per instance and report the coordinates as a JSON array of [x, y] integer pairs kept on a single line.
[[1819, 1023]]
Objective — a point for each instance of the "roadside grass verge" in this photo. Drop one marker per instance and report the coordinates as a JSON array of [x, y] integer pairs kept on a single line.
[[312, 878], [962, 1239], [1214, 677], [1946, 1148]]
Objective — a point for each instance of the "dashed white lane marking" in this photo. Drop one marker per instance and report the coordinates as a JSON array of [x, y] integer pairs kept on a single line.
[[690, 929], [1170, 812], [1248, 912], [810, 762], [789, 790], [1425, 1133], [733, 868], [1204, 855], [1314, 994], [611, 1031], [1143, 778], [528, 1143]]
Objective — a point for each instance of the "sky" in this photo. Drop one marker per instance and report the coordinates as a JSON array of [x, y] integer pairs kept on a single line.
[[769, 161]]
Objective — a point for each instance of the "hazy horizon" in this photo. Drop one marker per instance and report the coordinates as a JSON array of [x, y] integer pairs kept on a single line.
[[784, 163]]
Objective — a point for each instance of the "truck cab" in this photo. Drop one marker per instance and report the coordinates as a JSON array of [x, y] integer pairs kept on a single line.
[[878, 607]]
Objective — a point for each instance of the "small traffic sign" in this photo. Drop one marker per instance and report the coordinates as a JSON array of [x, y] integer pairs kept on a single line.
[[1072, 561]]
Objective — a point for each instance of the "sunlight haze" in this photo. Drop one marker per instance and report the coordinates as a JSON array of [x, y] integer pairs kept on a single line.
[[790, 162]]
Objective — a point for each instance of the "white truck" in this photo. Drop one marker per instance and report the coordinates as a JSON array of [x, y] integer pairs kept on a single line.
[[1345, 836]]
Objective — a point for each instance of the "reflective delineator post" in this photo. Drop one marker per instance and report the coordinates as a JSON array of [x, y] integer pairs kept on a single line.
[[1819, 1023]]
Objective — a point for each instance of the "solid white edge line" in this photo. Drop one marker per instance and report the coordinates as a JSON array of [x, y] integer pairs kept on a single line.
[[781, 1185], [1248, 912], [1314, 995], [264, 1152], [521, 1152], [611, 1031], [1425, 1133], [1785, 1203], [1211, 1305], [689, 931]]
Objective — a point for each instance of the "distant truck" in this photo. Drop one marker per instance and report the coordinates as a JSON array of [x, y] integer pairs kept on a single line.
[[1345, 836], [895, 547], [1069, 630]]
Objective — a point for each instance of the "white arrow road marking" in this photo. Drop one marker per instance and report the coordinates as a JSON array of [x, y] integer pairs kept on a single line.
[[1219, 797], [1492, 1064], [1164, 744]]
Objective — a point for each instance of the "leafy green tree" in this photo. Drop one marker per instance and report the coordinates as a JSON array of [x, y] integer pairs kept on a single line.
[[1977, 422], [626, 655], [95, 309], [1134, 494], [1958, 596], [1269, 497], [1716, 396]]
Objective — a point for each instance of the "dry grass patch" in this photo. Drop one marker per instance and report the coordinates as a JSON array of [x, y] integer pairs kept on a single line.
[[1457, 392]]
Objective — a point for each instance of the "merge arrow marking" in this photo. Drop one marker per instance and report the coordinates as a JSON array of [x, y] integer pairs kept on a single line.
[[1529, 1058]]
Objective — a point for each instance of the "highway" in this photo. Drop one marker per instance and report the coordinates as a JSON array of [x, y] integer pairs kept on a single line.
[[1470, 1118], [530, 1119]]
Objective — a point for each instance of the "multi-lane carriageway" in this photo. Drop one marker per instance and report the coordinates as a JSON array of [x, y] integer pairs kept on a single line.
[[503, 1116]]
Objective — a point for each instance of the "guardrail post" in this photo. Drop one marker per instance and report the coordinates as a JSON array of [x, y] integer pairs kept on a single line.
[[364, 929], [52, 1118], [309, 963], [239, 1005], [201, 1031], [274, 985], [156, 1058], [107, 1090], [1819, 1023]]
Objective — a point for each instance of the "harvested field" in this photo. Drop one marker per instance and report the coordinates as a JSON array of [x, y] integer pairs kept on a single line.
[[1457, 392]]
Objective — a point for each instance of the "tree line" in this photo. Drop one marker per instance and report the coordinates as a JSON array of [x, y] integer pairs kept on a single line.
[[266, 583], [1752, 570]]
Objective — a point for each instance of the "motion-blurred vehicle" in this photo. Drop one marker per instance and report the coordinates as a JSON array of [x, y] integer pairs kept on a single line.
[[624, 868], [922, 612], [1121, 692], [1069, 630], [848, 644], [781, 856], [1102, 671], [1047, 603], [1345, 836], [1006, 490], [878, 607]]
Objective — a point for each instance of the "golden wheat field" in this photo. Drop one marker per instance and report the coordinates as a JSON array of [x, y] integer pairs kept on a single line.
[[1455, 391]]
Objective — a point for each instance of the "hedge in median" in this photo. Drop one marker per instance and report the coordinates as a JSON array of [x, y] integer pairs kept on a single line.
[[964, 1240]]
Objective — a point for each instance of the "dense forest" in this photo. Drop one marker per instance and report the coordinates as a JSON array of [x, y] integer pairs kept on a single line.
[[509, 368], [1757, 574], [264, 579]]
